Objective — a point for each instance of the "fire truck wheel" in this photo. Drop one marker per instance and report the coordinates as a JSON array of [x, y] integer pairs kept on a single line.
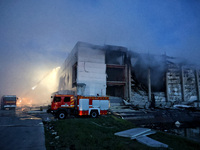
[[61, 115], [94, 114]]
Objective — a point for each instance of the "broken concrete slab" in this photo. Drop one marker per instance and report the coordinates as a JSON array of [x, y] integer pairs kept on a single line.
[[140, 134], [131, 133], [150, 142], [144, 134]]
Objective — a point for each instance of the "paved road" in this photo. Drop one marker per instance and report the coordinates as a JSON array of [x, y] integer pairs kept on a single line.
[[21, 131]]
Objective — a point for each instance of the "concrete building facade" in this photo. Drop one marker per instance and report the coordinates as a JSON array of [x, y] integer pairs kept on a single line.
[[114, 71]]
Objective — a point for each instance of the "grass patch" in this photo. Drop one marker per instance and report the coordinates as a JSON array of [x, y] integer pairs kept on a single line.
[[89, 133], [98, 133]]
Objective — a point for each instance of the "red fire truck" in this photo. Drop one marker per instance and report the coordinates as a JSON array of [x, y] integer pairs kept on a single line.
[[65, 105]]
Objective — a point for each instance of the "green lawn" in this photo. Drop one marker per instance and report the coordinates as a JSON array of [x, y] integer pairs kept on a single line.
[[98, 133]]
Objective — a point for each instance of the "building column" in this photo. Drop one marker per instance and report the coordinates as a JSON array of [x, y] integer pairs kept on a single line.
[[167, 90], [149, 84], [129, 84], [197, 84], [126, 80], [183, 84]]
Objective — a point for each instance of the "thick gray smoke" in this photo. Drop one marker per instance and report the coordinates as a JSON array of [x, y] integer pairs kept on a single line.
[[157, 66], [36, 36]]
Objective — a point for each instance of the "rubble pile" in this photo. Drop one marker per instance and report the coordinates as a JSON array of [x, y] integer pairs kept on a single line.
[[139, 96], [160, 100], [139, 99], [181, 85]]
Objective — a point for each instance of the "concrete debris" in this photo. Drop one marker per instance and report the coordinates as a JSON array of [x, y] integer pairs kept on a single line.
[[54, 133], [132, 133], [182, 106], [177, 123], [126, 103], [150, 142], [144, 134], [140, 134], [181, 82], [47, 119], [51, 127], [139, 99], [57, 137]]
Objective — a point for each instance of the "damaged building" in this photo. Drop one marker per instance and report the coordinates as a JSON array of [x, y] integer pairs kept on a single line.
[[136, 78]]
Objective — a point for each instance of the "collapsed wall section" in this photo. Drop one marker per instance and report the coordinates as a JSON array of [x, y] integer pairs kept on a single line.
[[148, 79], [182, 83], [190, 85], [173, 83]]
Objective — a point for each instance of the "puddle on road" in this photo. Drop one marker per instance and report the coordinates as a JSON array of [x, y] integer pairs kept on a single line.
[[30, 118], [23, 115]]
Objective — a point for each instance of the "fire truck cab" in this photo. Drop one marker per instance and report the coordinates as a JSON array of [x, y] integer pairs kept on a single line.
[[66, 105]]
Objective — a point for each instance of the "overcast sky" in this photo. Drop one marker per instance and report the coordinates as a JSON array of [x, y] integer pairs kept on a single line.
[[37, 35]]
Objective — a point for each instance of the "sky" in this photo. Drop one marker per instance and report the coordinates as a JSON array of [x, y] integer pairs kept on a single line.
[[37, 35]]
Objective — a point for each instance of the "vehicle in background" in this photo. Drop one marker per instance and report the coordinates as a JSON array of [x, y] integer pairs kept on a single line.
[[8, 102], [65, 105]]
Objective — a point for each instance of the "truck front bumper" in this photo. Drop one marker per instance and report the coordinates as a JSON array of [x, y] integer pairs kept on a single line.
[[9, 106]]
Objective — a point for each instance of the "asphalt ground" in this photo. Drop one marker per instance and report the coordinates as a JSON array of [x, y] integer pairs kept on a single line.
[[21, 131]]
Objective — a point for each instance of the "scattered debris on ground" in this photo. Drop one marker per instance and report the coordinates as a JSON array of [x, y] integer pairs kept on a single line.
[[140, 134]]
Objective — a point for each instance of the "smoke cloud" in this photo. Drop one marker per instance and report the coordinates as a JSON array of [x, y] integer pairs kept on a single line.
[[36, 36]]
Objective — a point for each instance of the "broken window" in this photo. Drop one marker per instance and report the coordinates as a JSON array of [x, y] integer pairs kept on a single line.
[[115, 57], [115, 73], [74, 75]]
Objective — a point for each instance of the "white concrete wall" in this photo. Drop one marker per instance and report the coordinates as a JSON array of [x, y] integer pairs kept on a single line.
[[65, 73], [91, 69]]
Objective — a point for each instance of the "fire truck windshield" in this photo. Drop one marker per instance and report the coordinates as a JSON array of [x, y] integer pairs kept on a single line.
[[57, 99], [9, 98]]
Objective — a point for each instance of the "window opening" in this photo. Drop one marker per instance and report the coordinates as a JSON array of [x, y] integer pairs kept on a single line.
[[57, 99], [67, 99], [74, 75]]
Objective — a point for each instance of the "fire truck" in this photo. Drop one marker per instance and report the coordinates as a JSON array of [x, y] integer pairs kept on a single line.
[[8, 102], [65, 105]]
